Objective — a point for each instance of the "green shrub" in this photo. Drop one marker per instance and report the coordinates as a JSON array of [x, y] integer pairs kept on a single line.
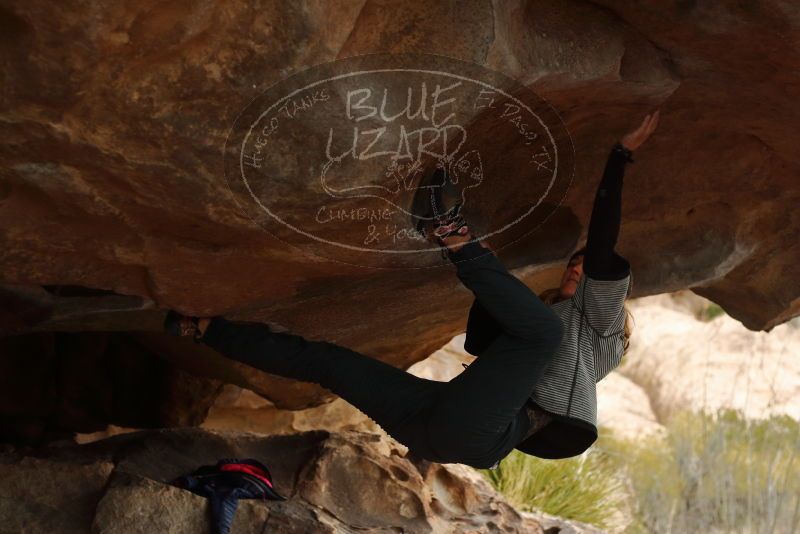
[[710, 473], [585, 488], [710, 312], [719, 473]]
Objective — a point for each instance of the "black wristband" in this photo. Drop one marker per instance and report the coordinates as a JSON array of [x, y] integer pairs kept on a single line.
[[619, 148]]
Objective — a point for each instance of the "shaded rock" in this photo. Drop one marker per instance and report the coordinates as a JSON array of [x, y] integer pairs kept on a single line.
[[340, 482], [137, 504], [106, 134], [55, 383], [42, 495], [114, 203], [127, 506]]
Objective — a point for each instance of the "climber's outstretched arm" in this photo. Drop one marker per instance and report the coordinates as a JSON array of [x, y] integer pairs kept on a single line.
[[600, 261]]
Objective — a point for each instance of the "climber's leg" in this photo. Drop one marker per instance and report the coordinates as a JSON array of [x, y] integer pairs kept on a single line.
[[482, 329], [391, 397], [479, 416], [513, 305]]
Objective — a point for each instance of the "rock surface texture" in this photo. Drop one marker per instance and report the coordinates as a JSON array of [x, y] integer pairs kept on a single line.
[[685, 364], [114, 204], [334, 483]]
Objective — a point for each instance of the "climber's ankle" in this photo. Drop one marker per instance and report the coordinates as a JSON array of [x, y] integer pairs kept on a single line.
[[455, 242]]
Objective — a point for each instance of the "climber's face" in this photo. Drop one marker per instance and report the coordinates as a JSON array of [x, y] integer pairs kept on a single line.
[[571, 277]]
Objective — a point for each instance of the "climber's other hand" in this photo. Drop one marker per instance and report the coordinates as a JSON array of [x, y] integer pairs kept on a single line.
[[634, 139]]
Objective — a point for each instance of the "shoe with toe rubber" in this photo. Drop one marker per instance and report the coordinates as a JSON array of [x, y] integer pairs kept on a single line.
[[437, 207]]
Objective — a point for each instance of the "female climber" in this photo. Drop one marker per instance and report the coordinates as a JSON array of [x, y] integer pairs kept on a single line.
[[590, 303], [536, 371]]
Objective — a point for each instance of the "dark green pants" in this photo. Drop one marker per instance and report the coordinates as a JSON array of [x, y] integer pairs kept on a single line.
[[475, 419]]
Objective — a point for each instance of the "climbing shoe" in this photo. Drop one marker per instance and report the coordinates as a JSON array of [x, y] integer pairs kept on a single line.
[[436, 206], [176, 324], [452, 223]]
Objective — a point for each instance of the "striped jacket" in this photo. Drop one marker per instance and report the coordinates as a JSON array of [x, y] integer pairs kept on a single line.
[[592, 344]]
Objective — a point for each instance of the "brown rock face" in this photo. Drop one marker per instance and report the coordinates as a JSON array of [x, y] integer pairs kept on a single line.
[[115, 203], [333, 483]]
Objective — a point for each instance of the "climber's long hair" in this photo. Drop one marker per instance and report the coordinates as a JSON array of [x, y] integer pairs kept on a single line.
[[553, 295]]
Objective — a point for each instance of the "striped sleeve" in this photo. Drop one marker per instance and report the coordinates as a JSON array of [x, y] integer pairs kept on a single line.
[[607, 352], [602, 302]]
